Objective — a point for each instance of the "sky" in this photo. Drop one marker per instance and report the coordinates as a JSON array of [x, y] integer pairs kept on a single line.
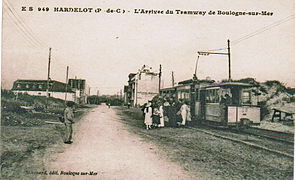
[[104, 48]]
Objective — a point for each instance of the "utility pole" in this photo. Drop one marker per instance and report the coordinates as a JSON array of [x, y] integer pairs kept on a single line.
[[48, 73], [172, 79], [228, 54], [67, 77], [160, 74], [229, 63], [97, 98]]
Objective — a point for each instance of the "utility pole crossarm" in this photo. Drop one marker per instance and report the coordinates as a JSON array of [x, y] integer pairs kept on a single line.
[[204, 53]]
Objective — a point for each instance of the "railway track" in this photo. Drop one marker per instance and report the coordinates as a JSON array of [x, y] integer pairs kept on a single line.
[[253, 139], [272, 135], [283, 137]]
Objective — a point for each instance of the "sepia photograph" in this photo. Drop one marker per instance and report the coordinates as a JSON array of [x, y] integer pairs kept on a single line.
[[147, 90]]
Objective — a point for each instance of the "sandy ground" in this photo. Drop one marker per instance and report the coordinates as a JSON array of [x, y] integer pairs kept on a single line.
[[104, 146]]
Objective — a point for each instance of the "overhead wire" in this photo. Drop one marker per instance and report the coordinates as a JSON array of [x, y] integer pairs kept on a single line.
[[219, 49], [261, 30], [22, 33], [21, 21], [21, 24]]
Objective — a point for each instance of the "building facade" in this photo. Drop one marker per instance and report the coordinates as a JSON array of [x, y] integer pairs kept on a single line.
[[142, 86], [78, 86], [56, 89]]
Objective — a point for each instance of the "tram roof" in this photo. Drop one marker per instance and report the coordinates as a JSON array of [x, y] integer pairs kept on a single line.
[[168, 88], [232, 84]]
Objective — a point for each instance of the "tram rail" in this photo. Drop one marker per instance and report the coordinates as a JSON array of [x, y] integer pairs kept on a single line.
[[270, 134], [255, 140]]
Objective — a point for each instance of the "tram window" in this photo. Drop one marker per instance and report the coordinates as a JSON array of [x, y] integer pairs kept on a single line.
[[197, 95], [186, 95], [212, 96], [246, 99]]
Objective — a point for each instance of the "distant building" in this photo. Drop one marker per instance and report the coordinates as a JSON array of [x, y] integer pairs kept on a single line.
[[79, 88], [39, 88], [142, 86]]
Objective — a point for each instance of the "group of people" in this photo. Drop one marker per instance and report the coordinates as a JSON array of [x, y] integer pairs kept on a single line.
[[166, 113]]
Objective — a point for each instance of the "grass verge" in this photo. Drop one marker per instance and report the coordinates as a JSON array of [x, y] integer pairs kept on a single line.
[[25, 136]]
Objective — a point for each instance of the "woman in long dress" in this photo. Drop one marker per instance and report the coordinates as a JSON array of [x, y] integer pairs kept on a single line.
[[148, 116], [161, 114], [184, 110]]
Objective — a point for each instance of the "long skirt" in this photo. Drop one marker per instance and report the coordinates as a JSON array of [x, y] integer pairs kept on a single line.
[[148, 120]]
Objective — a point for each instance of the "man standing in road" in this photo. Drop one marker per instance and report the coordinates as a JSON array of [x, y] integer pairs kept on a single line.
[[69, 121]]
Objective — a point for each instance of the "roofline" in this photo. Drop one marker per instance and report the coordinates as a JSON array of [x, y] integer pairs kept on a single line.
[[232, 84], [38, 80], [43, 90]]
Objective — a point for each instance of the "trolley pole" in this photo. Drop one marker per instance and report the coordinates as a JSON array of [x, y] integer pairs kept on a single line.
[[196, 69]]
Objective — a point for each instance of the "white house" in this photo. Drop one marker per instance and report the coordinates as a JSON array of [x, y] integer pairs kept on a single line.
[[142, 86], [57, 89]]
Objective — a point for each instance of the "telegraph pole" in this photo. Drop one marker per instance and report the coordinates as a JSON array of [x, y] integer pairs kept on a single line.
[[229, 63], [228, 54], [160, 74], [48, 78], [97, 98], [67, 77], [48, 71], [172, 79]]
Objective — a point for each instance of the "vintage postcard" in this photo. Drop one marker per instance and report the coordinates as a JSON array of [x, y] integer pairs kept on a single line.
[[133, 89]]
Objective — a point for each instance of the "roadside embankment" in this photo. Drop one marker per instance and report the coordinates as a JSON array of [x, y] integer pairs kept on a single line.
[[25, 135]]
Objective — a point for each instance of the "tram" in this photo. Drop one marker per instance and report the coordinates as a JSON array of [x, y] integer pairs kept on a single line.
[[226, 103]]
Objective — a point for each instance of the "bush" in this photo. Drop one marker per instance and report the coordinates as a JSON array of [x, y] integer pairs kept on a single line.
[[263, 89], [248, 80], [281, 86], [7, 93], [11, 106], [116, 102], [292, 99]]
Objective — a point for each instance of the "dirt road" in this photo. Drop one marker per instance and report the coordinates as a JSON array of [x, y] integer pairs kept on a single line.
[[102, 145]]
